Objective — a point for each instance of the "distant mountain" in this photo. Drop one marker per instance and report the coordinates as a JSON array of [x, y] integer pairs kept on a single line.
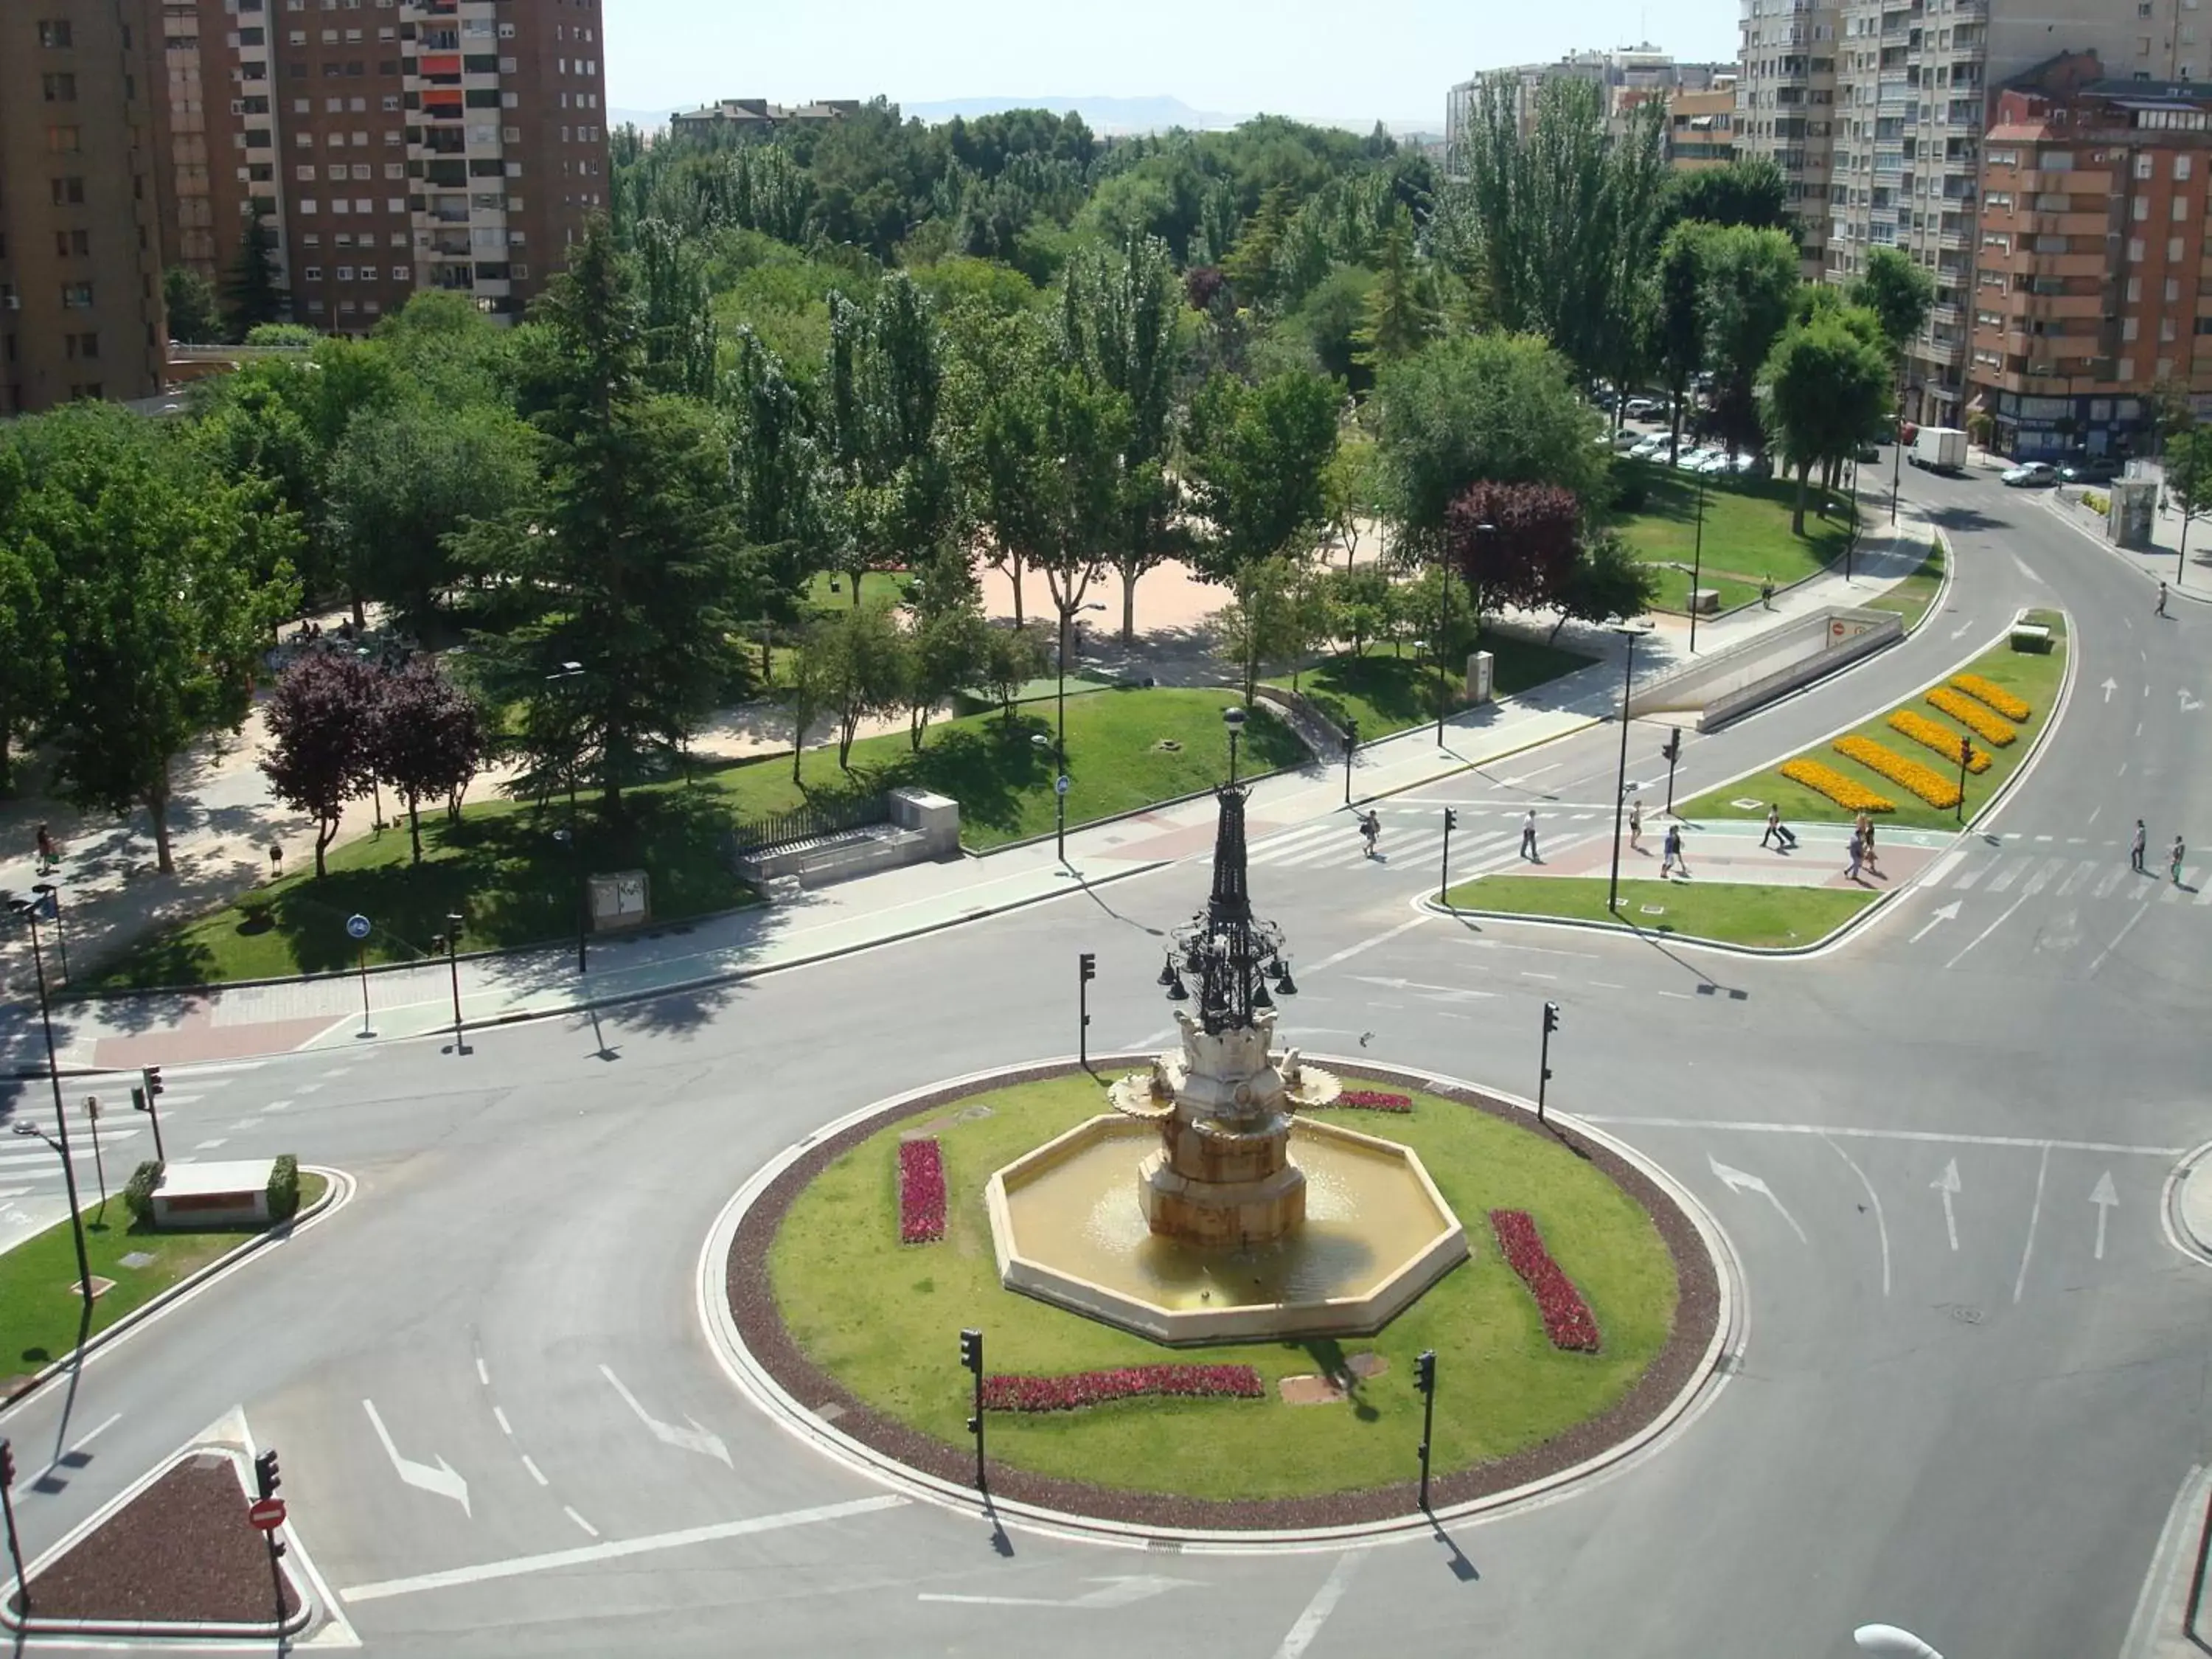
[[1099, 114], [644, 120]]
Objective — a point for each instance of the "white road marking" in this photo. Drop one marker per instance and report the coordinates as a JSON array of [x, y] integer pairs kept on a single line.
[[2034, 1215], [308, 1088], [1930, 1137], [209, 1146], [1324, 1602], [1737, 1181], [617, 1549], [2166, 1561], [1351, 950], [1947, 1184], [484, 1375], [441, 1480], [1119, 1592], [2104, 889], [2104, 1196], [1947, 912], [535, 1474], [589, 1531], [2141, 911], [693, 1438], [505, 1427], [2011, 872], [1881, 1226], [1987, 931], [81, 1442], [275, 1105], [2083, 870], [243, 1124]]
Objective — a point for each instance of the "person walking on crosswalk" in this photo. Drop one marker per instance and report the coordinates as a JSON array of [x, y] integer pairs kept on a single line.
[[1857, 855], [2138, 847], [1528, 837], [2160, 612], [1671, 853], [1778, 831], [1635, 826], [2179, 853]]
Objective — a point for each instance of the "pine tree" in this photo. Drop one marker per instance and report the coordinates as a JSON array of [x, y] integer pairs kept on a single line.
[[250, 294]]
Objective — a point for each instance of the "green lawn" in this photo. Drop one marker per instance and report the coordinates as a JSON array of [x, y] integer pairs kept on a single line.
[[2033, 676], [1911, 598], [881, 1316], [1732, 913], [1746, 528], [502, 867], [1673, 592], [1386, 693], [41, 1308]]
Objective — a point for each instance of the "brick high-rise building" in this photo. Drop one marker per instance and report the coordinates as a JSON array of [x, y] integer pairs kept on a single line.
[[80, 265]]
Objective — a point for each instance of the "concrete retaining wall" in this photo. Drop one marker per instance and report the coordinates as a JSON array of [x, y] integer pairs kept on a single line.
[[1731, 683]]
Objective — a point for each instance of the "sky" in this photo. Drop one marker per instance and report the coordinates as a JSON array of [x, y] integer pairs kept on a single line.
[[1303, 57]]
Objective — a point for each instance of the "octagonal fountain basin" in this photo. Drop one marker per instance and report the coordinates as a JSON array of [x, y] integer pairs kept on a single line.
[[1070, 1229]]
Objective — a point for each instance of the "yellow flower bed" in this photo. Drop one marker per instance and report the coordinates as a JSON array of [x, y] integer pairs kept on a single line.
[[1926, 782], [1851, 796], [1997, 696], [1942, 739], [1968, 713]]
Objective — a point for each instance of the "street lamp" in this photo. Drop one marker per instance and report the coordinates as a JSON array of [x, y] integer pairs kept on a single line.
[[1234, 720], [1483, 533], [570, 671], [28, 910], [1697, 561], [450, 943], [1896, 1644], [1620, 791], [1350, 742], [52, 896], [1055, 747]]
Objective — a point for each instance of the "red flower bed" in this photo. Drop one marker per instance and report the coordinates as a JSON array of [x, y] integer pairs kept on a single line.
[[1567, 1318], [1079, 1389], [1370, 1100], [922, 1192]]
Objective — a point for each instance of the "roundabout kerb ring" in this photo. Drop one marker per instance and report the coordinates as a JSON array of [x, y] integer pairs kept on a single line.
[[1677, 1388]]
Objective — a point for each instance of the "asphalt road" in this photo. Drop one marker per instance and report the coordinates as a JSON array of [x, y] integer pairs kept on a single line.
[[1969, 1393]]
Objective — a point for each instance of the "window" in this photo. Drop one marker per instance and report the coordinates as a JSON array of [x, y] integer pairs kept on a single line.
[[313, 273], [2129, 326], [69, 192], [84, 347], [2181, 207], [345, 273], [403, 273], [2181, 166], [2142, 208], [77, 296], [2134, 250], [67, 242], [2166, 328], [56, 35], [2172, 290], [60, 88], [2173, 250], [64, 141]]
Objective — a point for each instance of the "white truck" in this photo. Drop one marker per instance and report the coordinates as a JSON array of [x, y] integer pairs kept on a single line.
[[1940, 449]]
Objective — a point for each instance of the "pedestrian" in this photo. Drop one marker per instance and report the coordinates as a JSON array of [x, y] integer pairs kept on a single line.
[[49, 854], [1635, 826], [2160, 612], [1528, 837], [1370, 827], [2138, 847], [1785, 838], [1865, 827], [1766, 594], [1671, 857], [1858, 856], [1773, 831], [2180, 852]]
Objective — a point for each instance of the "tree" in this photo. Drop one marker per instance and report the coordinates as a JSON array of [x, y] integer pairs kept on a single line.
[[403, 481], [885, 375], [1897, 290], [1513, 543], [778, 465], [1496, 408], [679, 313], [628, 566], [323, 718], [1013, 657], [429, 740], [30, 627], [1750, 191], [1679, 318], [2189, 479], [853, 665], [1366, 602], [948, 650], [1606, 582], [1262, 624], [1750, 280], [1824, 392], [1349, 486], [160, 607], [1398, 315], [1254, 458], [250, 296], [194, 310]]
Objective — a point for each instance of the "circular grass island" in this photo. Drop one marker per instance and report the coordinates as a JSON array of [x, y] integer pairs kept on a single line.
[[862, 1329]]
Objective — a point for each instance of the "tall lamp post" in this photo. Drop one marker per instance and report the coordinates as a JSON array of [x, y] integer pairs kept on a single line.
[[1620, 791], [571, 673], [28, 910], [1233, 718], [1350, 744], [1697, 561], [52, 897], [1056, 748]]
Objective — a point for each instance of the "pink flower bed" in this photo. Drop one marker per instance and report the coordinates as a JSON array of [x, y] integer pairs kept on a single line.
[[1080, 1388], [1567, 1318], [922, 1192], [1370, 1100]]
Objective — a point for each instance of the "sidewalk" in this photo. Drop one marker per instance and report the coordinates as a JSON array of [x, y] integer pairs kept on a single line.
[[705, 957], [2162, 561]]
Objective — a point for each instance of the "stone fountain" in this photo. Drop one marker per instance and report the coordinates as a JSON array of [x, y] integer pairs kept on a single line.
[[1203, 1208]]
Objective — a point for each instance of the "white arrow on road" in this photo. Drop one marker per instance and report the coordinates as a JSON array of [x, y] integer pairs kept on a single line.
[[2104, 1198], [1111, 1593], [693, 1438], [1963, 628], [1737, 1181], [2111, 686], [441, 1480], [1947, 912], [1416, 985], [2189, 704], [1947, 1184]]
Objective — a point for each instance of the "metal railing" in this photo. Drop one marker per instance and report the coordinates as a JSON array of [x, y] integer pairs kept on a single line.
[[826, 817]]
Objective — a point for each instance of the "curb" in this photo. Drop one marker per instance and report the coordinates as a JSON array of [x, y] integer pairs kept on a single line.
[[1708, 1378], [339, 1187], [2174, 1218], [1630, 930], [2126, 556]]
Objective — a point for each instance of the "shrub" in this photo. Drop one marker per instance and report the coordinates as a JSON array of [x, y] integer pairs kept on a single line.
[[1568, 1320], [1931, 786], [1987, 691], [2097, 503], [1972, 715], [1942, 739], [1851, 796], [1634, 493], [138, 1193], [1066, 1393], [922, 1192], [1370, 1100], [284, 1189]]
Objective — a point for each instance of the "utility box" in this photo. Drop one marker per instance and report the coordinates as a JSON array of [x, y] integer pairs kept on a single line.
[[2133, 510], [233, 1193], [1706, 601], [1481, 677], [621, 900]]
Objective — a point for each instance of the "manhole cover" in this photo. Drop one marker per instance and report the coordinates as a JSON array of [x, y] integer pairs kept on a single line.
[[136, 1259], [972, 1114], [1744, 803], [1963, 1314], [1653, 909]]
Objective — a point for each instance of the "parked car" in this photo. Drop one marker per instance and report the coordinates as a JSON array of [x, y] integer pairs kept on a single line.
[[1642, 408], [1715, 464], [2090, 470], [1649, 448], [2032, 475], [1751, 464], [1868, 453], [1624, 439], [1691, 459]]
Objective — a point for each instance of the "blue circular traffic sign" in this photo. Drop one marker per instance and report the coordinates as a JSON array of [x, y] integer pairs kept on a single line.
[[357, 927]]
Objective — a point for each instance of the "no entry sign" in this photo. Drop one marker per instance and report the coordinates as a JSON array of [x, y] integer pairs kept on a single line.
[[265, 1513]]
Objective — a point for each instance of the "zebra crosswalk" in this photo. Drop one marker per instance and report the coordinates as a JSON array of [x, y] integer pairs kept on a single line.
[[2024, 875]]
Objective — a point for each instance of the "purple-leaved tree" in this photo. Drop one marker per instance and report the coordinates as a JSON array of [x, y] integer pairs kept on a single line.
[[429, 739], [322, 716]]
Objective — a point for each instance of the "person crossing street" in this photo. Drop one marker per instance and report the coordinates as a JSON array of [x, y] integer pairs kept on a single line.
[[1528, 837], [2137, 848], [2179, 853]]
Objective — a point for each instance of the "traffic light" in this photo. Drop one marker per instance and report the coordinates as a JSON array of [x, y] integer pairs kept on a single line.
[[7, 1464], [149, 1078], [1551, 1017], [1965, 752], [1671, 750], [1451, 820], [1086, 964], [971, 1350], [1424, 1370], [265, 1479]]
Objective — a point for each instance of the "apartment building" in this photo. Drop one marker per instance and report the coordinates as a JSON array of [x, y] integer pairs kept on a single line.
[[748, 117], [2091, 276], [79, 269], [1875, 109], [1626, 77], [1701, 126]]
